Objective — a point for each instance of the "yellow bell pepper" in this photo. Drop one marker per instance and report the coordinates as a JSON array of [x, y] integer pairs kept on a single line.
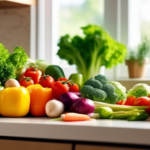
[[14, 102], [39, 96]]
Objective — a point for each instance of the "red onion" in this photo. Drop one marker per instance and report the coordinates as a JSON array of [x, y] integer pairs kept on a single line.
[[83, 106], [68, 99]]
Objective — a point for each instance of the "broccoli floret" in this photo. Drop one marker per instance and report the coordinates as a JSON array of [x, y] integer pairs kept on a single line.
[[108, 88], [99, 95], [94, 83], [112, 98], [101, 78], [87, 91], [120, 90]]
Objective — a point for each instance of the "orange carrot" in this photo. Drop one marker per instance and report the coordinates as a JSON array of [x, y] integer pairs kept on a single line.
[[75, 117]]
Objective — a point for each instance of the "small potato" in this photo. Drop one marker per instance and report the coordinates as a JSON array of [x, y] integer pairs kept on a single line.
[[12, 83]]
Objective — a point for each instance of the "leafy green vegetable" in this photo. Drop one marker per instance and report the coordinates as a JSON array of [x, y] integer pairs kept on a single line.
[[9, 63], [92, 51], [139, 90]]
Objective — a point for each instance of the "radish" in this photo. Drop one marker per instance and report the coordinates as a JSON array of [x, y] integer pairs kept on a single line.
[[54, 108]]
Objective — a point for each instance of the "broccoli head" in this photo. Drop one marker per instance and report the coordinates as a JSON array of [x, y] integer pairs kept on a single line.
[[108, 88], [101, 78], [93, 93], [87, 91], [94, 83], [99, 95], [120, 90], [112, 98], [139, 90]]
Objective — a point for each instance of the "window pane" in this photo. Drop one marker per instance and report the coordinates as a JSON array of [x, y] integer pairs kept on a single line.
[[74, 14]]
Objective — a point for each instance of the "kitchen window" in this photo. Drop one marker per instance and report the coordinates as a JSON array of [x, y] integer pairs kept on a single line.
[[122, 20]]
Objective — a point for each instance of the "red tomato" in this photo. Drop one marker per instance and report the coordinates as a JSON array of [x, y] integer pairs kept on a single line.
[[59, 88], [120, 102], [62, 79], [34, 74], [26, 81], [46, 81], [74, 88], [130, 101], [143, 101]]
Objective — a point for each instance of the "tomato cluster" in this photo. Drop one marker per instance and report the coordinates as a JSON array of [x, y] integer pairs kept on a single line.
[[34, 76]]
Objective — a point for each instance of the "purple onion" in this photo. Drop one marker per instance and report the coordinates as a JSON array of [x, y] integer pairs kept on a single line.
[[77, 93], [68, 99], [83, 106]]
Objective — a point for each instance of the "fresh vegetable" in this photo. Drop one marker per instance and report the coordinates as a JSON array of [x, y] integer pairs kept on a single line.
[[12, 83], [60, 87], [92, 51], [99, 89], [55, 71], [77, 78], [83, 106], [68, 99], [26, 81], [46, 81], [120, 90], [121, 102], [116, 107], [132, 115], [105, 112], [39, 97], [139, 90], [14, 102], [34, 74], [62, 79], [10, 63], [74, 88], [130, 101], [54, 108], [143, 101], [75, 117]]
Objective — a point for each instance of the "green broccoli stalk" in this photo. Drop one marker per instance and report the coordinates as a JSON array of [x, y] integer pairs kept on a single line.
[[92, 51], [139, 90]]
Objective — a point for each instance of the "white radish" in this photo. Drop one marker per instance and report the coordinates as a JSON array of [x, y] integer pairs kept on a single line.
[[12, 83], [54, 108]]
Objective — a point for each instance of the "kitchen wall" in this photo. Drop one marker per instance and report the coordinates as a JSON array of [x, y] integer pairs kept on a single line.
[[15, 28]]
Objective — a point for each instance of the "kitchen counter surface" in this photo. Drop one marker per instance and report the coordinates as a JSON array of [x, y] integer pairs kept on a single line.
[[112, 131]]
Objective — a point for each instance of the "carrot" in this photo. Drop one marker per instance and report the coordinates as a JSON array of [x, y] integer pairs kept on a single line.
[[75, 117]]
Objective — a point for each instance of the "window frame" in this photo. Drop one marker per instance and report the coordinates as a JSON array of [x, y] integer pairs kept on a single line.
[[42, 31]]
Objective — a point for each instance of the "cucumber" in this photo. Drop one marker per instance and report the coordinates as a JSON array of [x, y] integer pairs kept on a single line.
[[54, 71]]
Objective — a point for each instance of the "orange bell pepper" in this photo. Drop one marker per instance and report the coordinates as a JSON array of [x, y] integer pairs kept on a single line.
[[14, 102], [39, 96]]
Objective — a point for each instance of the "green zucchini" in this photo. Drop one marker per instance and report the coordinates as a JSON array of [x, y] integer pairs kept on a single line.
[[54, 71]]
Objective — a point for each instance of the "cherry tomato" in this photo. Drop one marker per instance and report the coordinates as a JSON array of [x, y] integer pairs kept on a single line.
[[62, 79], [26, 81], [74, 88], [59, 88], [34, 74], [120, 102], [130, 101], [46, 81], [143, 101]]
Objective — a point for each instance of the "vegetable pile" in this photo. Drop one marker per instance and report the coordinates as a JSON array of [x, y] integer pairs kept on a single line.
[[36, 88]]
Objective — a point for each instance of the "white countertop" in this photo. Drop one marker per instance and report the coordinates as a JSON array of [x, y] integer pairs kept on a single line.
[[112, 131]]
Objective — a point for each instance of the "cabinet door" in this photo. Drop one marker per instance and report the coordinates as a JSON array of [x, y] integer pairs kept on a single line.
[[32, 145], [98, 147]]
